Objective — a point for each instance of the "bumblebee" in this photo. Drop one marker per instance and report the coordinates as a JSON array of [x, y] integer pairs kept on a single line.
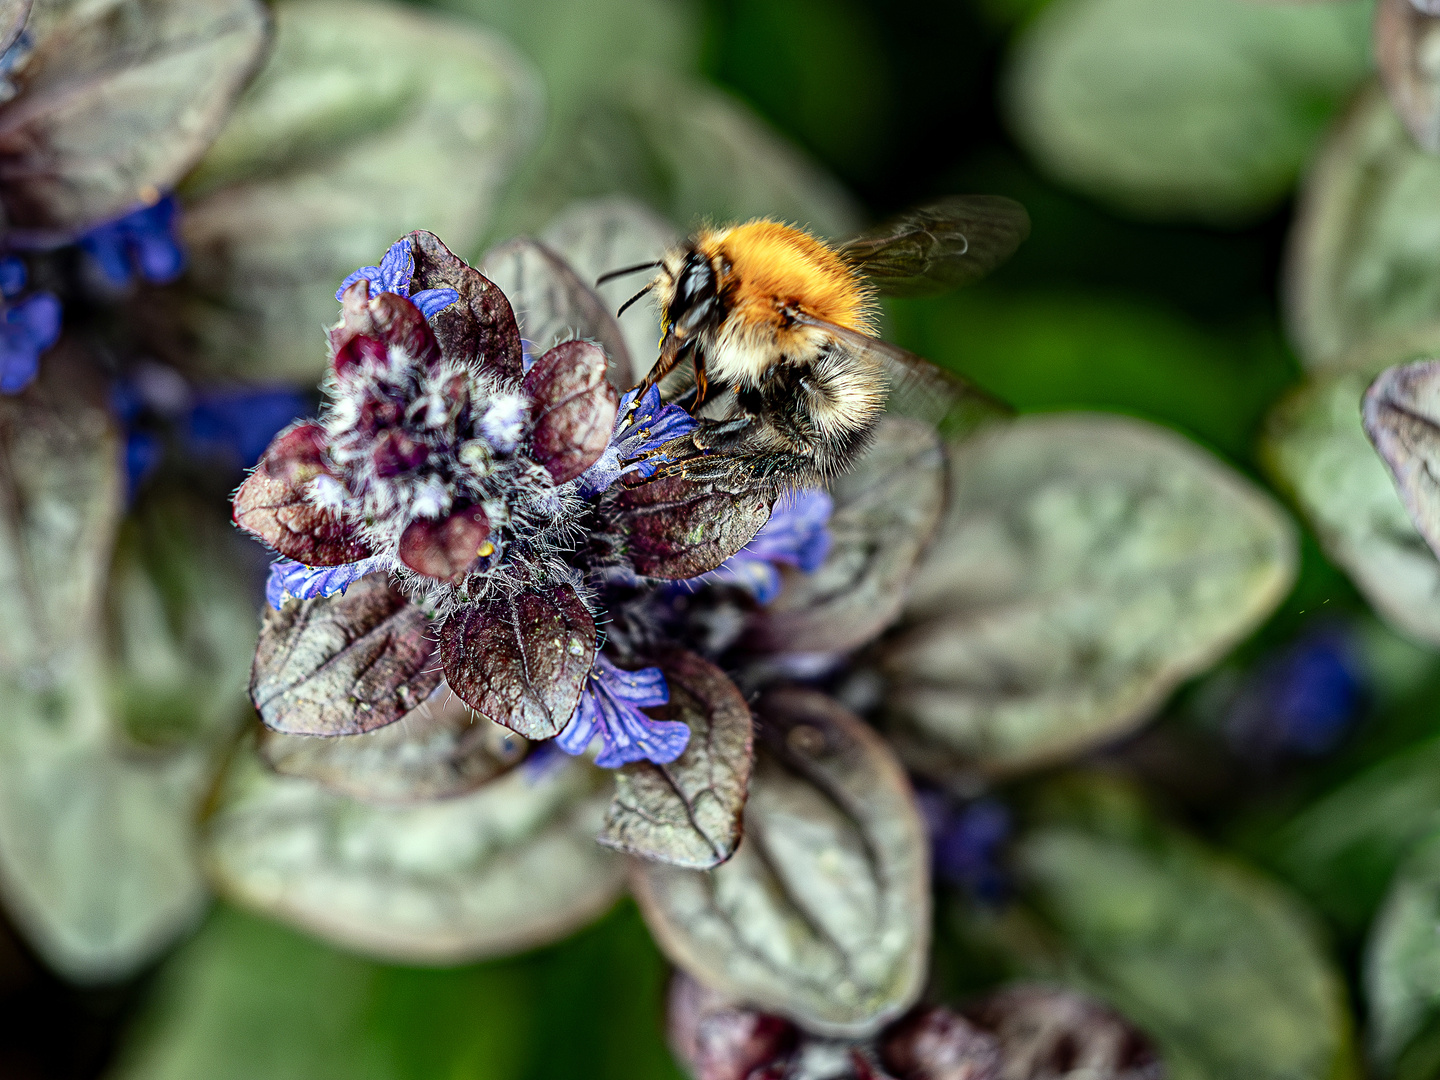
[[784, 324]]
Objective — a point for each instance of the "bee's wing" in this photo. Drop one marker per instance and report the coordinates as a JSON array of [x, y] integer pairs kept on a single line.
[[939, 246], [917, 387]]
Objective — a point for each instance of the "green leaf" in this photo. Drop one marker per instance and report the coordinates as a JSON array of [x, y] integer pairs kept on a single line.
[[1362, 280], [247, 999], [1086, 566], [1202, 109], [1401, 418], [102, 769], [115, 102], [886, 510], [438, 750], [687, 813], [823, 914], [1342, 851], [511, 865], [1404, 38], [1402, 958], [370, 120], [1315, 446], [1218, 965]]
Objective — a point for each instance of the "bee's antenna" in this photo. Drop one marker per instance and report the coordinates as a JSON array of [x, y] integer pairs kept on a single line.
[[613, 274], [632, 299]]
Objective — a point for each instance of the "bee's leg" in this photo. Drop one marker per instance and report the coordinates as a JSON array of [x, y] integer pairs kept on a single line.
[[702, 384], [670, 350]]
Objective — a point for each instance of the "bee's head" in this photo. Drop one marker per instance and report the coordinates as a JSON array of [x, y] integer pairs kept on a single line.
[[689, 294]]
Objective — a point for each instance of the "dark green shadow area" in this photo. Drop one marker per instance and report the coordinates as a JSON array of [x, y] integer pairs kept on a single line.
[[248, 999]]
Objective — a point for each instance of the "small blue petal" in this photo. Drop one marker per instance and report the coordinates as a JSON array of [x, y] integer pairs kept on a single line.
[[27, 329], [968, 845], [143, 242], [289, 578], [144, 451], [1303, 698], [13, 276], [645, 429], [430, 301], [392, 275], [610, 708], [239, 424]]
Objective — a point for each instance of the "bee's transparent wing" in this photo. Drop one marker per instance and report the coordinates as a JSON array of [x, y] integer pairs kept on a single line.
[[939, 246], [917, 387]]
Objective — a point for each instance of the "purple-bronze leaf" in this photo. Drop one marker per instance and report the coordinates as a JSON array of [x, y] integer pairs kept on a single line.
[[478, 328], [114, 105], [679, 528], [823, 913], [1037, 1025], [272, 505], [553, 304], [386, 318], [440, 750], [717, 1038], [886, 509], [342, 665], [688, 812], [1406, 38], [937, 1044], [521, 662], [445, 549], [573, 409], [1401, 413]]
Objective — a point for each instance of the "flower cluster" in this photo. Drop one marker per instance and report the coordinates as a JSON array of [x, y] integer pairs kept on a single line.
[[512, 502]]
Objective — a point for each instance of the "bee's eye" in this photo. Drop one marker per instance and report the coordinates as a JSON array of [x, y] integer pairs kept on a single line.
[[694, 292]]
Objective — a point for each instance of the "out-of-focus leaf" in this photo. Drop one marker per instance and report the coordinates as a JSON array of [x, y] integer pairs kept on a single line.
[[686, 149], [1342, 850], [243, 1001], [677, 528], [369, 120], [1405, 38], [115, 102], [572, 408], [12, 20], [102, 769], [1402, 960], [435, 751], [509, 866], [1183, 108], [1400, 415], [480, 327], [596, 236], [716, 1038], [1362, 281], [1314, 445], [687, 813], [343, 664], [553, 304], [1219, 966], [1087, 564], [1042, 1028], [823, 914], [521, 661], [886, 509], [60, 473]]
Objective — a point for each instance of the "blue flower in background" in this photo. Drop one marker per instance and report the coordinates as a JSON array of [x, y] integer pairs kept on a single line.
[[641, 431], [967, 844], [610, 707], [142, 242], [1302, 699], [239, 423], [394, 274], [797, 534], [27, 329], [290, 579]]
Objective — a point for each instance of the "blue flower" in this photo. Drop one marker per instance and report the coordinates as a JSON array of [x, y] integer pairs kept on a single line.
[[642, 431], [610, 707], [394, 274], [290, 579], [142, 242], [1302, 699], [238, 424], [27, 329], [967, 844], [796, 535]]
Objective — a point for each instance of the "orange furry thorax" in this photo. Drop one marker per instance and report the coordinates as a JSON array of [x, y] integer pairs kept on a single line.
[[771, 266]]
